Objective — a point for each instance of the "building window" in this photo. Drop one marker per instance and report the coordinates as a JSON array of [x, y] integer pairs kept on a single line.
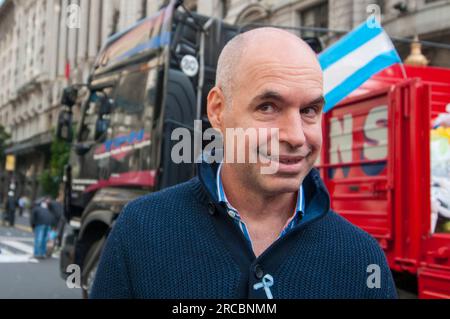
[[50, 121], [115, 21], [315, 16], [224, 7], [253, 14], [382, 5], [143, 9]]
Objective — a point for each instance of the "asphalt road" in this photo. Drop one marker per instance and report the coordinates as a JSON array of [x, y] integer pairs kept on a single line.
[[24, 277]]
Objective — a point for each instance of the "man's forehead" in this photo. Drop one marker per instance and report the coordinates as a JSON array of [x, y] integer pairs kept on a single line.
[[284, 79], [292, 64], [272, 68], [271, 45]]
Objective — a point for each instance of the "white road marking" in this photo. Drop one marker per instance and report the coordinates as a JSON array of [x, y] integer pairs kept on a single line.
[[4, 251], [17, 259], [27, 239], [18, 250], [19, 246]]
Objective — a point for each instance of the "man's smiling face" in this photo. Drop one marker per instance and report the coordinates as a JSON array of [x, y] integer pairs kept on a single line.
[[277, 84]]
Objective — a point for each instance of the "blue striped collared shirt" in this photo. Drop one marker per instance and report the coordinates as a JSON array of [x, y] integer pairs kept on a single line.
[[299, 209]]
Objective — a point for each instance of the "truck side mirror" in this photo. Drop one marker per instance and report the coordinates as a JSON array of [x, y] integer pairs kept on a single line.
[[69, 96], [64, 126]]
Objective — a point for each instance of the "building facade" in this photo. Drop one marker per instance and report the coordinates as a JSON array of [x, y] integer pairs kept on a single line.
[[428, 19], [44, 46]]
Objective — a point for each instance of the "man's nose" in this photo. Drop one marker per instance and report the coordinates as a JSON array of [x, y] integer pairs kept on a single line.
[[291, 130]]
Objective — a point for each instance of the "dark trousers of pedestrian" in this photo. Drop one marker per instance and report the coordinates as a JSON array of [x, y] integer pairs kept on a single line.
[[4, 217], [11, 217], [40, 240]]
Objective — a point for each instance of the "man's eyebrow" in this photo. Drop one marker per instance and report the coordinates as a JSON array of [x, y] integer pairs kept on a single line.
[[318, 101], [269, 95], [273, 95]]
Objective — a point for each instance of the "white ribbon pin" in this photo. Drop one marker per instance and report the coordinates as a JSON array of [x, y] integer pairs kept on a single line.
[[266, 283]]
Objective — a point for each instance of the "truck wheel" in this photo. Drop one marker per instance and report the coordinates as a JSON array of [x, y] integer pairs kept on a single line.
[[90, 266]]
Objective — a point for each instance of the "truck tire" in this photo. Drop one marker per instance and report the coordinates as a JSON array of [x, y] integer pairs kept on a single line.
[[90, 266]]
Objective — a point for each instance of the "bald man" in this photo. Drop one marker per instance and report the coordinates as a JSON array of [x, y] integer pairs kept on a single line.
[[237, 232]]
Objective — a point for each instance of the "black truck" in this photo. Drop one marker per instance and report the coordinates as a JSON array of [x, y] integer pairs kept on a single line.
[[147, 81]]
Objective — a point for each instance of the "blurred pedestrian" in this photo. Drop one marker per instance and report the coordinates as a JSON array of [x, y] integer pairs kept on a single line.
[[4, 212], [22, 202], [11, 208], [41, 221]]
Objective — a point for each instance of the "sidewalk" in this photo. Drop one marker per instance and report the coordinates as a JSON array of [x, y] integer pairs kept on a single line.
[[21, 222]]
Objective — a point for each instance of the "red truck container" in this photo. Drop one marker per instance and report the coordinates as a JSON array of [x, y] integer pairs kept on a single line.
[[375, 162]]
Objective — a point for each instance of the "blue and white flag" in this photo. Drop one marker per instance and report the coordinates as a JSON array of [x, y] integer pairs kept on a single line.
[[354, 59]]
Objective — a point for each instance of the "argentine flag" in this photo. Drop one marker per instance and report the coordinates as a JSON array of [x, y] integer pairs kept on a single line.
[[354, 59]]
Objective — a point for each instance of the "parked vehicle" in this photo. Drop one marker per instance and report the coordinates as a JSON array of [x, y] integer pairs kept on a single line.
[[376, 164], [147, 81]]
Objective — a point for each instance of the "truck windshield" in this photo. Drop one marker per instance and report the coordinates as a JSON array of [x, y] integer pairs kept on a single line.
[[129, 97], [133, 102], [113, 111]]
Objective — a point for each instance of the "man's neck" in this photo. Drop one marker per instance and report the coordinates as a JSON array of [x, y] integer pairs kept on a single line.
[[264, 215], [254, 205]]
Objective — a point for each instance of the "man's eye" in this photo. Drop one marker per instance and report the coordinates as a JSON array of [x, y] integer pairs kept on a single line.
[[310, 111], [266, 108]]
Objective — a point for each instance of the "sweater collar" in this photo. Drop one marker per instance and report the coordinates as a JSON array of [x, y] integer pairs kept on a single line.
[[316, 195]]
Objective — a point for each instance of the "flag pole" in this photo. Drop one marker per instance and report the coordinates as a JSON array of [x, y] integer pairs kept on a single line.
[[402, 67]]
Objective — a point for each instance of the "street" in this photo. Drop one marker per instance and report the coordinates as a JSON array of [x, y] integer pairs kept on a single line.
[[24, 277]]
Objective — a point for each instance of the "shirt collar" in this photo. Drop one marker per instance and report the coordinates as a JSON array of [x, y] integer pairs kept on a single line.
[[299, 209]]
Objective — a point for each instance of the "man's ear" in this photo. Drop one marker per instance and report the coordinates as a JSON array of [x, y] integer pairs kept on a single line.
[[216, 107]]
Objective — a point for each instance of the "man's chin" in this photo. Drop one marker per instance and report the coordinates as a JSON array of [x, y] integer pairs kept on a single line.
[[282, 183]]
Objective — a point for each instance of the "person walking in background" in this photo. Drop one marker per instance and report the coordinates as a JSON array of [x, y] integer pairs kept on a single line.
[[22, 202], [4, 212], [11, 208], [41, 221]]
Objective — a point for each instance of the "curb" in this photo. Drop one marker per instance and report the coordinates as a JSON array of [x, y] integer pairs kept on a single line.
[[24, 228]]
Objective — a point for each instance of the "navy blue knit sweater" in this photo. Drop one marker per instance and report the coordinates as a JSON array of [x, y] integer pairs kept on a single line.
[[180, 243]]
